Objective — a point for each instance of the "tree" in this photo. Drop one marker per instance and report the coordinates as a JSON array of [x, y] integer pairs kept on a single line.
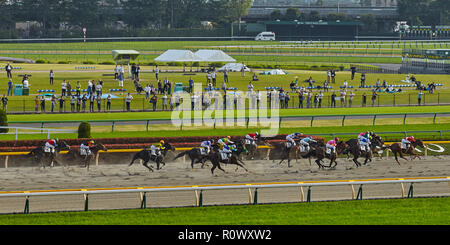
[[276, 15], [239, 8], [292, 14], [314, 15], [368, 23]]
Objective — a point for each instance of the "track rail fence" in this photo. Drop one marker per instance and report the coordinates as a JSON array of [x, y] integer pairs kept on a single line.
[[252, 190]]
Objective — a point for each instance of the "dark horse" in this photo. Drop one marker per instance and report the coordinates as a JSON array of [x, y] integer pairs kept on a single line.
[[320, 153], [396, 148], [285, 150], [146, 156], [195, 156], [354, 148], [46, 158], [215, 157], [74, 155], [252, 148]]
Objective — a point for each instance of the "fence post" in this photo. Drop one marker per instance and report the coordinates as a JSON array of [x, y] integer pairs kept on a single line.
[[255, 197], [359, 195], [308, 195], [374, 117], [143, 200], [27, 205], [343, 119], [112, 126], [404, 119], [434, 118], [411, 190], [86, 201]]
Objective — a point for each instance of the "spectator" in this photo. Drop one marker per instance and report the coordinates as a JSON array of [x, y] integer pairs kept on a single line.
[[286, 100], [90, 88], [333, 100], [224, 87], [116, 73], [310, 81], [164, 101], [157, 72], [320, 97], [78, 89], [98, 89], [72, 103], [159, 87], [138, 71], [345, 84], [42, 104], [364, 100], [10, 87], [91, 103], [79, 101], [214, 78], [69, 89], [8, 69], [4, 102], [25, 82], [169, 87], [282, 97], [128, 101], [63, 88], [225, 75], [36, 104], [255, 77], [258, 98], [243, 70], [153, 100], [191, 84], [325, 86], [333, 76], [61, 104], [133, 71], [208, 78], [374, 97], [292, 86], [250, 87], [108, 103], [328, 76], [363, 79], [343, 98], [308, 100], [300, 99], [121, 76], [316, 100], [83, 101], [99, 103], [353, 69], [52, 77], [350, 98], [419, 98], [53, 102]]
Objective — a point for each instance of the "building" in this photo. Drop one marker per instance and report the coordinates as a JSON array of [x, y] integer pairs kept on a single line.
[[430, 61]]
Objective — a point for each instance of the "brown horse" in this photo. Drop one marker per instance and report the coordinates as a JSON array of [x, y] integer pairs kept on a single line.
[[320, 153], [396, 148], [74, 155]]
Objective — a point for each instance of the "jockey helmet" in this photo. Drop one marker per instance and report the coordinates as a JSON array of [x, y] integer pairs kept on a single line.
[[256, 133], [212, 141], [161, 142], [92, 141], [336, 139], [56, 139], [229, 137]]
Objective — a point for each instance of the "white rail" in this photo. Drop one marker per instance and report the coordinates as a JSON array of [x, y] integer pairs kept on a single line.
[[252, 197], [48, 131]]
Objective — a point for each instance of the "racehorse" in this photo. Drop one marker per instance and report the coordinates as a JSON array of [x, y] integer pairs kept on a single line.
[[286, 149], [216, 158], [40, 156], [146, 156], [195, 155], [252, 148], [312, 146], [75, 155], [396, 148], [354, 148], [320, 153]]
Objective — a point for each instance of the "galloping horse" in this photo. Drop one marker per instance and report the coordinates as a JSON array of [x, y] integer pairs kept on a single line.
[[252, 148], [195, 155], [74, 155], [40, 156], [286, 150], [216, 158], [396, 148], [146, 156], [354, 148], [320, 153]]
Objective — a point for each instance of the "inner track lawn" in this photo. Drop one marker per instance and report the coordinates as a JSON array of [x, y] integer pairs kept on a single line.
[[413, 211]]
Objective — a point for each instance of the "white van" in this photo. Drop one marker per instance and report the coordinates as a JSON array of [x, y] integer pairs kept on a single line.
[[265, 36]]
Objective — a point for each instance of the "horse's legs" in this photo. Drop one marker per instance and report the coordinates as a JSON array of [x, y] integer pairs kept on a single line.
[[145, 165], [134, 159]]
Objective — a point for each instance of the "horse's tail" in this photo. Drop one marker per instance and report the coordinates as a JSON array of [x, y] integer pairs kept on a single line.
[[181, 154]]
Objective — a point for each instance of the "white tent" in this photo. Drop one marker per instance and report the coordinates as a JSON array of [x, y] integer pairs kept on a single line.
[[274, 72], [209, 55], [234, 67], [175, 55]]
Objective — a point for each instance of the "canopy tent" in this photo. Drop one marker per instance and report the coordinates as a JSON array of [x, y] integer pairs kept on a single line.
[[175, 55], [234, 67], [209, 55]]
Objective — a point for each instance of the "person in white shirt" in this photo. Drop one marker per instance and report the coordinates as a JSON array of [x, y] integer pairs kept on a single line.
[[128, 101], [63, 88], [250, 87], [25, 83], [214, 76]]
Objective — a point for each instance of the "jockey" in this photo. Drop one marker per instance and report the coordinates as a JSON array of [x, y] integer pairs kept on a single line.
[[407, 141], [331, 144], [364, 139], [207, 144], [291, 137], [155, 150], [252, 137], [51, 144], [85, 147], [225, 152], [305, 142], [225, 141]]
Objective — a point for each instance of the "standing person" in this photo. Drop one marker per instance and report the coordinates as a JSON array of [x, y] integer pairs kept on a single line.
[[157, 72], [61, 104], [72, 103], [79, 101], [83, 101], [250, 87], [164, 101], [419, 97], [69, 89], [108, 103], [343, 98], [333, 76], [243, 70], [258, 98], [214, 78], [138, 70], [325, 86], [52, 76], [374, 97], [10, 87], [320, 99], [286, 100], [99, 103], [121, 76], [42, 104], [91, 103], [328, 76], [128, 101], [224, 87], [90, 88], [364, 100], [116, 73], [353, 69], [333, 100], [78, 89], [63, 88], [169, 87], [53, 102], [36, 104], [191, 84], [225, 75], [316, 100], [363, 79], [153, 100], [8, 69], [308, 100], [4, 102], [350, 98], [98, 89], [300, 99]]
